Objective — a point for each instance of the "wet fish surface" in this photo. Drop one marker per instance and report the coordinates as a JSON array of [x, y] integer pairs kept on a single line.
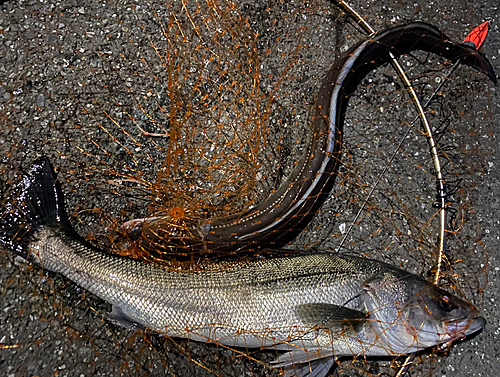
[[311, 308], [279, 218]]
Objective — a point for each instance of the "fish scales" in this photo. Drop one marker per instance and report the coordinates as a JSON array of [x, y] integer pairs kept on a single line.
[[291, 303], [312, 306], [248, 295], [243, 304]]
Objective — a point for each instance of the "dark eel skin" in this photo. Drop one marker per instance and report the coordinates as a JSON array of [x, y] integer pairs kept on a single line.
[[278, 219]]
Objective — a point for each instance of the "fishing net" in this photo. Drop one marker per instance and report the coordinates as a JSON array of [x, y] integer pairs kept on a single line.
[[196, 111]]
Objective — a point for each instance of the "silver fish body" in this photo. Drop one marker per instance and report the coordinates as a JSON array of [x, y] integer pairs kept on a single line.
[[311, 306]]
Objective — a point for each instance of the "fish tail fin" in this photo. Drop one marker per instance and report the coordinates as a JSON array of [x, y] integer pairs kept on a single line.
[[39, 203]]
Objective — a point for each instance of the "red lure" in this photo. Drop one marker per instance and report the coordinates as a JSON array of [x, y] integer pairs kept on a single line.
[[477, 36]]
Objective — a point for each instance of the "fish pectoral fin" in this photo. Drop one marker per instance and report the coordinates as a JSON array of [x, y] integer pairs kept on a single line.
[[297, 364], [120, 318], [329, 316]]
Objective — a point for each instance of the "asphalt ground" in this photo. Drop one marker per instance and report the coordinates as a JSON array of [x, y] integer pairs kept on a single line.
[[58, 64]]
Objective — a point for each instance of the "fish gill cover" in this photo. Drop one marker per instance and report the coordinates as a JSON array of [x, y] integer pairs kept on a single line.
[[200, 110]]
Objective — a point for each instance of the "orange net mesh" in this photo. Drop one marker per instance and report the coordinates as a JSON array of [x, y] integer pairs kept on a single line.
[[195, 111]]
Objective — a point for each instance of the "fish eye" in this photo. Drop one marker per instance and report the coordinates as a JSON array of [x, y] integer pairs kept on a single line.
[[445, 304]]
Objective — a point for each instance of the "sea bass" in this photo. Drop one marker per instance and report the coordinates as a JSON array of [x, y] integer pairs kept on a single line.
[[310, 308], [279, 218]]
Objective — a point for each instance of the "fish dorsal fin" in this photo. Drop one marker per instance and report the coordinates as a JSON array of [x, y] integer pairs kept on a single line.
[[329, 316]]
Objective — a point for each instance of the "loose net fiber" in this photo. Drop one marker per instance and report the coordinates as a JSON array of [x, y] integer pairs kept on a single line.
[[199, 110]]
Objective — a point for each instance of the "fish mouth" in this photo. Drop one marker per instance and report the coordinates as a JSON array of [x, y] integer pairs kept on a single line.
[[461, 329], [475, 326]]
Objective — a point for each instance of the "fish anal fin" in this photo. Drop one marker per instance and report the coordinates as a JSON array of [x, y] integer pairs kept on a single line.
[[120, 318], [298, 364], [315, 368]]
